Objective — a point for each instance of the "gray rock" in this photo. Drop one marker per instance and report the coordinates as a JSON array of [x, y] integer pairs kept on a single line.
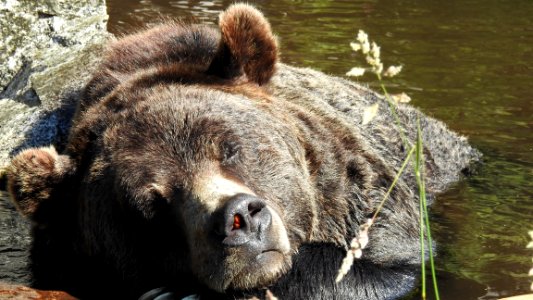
[[46, 48]]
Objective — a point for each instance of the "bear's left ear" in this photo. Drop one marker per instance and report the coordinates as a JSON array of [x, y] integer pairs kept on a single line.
[[33, 176], [247, 36]]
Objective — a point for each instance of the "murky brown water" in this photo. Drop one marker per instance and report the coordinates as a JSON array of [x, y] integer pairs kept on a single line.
[[466, 62]]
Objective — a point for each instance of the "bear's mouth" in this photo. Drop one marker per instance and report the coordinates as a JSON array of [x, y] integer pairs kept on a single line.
[[266, 267], [269, 256]]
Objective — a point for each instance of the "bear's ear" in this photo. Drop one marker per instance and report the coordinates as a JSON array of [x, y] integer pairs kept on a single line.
[[33, 175], [247, 36]]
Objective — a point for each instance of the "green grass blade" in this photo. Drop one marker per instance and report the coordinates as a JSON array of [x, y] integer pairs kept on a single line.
[[423, 203], [404, 164], [418, 158]]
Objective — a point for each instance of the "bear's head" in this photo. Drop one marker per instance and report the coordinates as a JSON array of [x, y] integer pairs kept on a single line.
[[195, 171], [224, 177]]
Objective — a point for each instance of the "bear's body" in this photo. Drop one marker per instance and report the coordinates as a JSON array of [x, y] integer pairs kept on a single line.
[[198, 162]]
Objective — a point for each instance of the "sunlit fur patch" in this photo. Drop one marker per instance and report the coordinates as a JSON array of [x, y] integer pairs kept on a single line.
[[212, 189], [260, 274], [278, 229], [32, 174]]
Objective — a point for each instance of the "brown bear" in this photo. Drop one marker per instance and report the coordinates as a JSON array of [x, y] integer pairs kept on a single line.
[[199, 163]]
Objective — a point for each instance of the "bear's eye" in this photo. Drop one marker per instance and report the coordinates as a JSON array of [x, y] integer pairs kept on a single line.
[[158, 201]]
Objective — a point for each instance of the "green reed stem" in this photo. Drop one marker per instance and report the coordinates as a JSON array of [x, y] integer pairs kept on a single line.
[[421, 191], [372, 53], [418, 168], [393, 112], [423, 201], [393, 184]]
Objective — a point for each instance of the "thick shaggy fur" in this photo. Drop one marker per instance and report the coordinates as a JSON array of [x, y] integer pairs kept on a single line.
[[175, 104]]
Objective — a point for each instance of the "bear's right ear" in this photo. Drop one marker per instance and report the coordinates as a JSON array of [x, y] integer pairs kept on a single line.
[[248, 38], [33, 175]]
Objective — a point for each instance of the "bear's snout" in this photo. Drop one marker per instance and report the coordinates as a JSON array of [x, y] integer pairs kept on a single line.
[[245, 222], [253, 240]]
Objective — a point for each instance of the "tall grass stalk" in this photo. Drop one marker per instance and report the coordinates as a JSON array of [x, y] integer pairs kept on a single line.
[[393, 184], [418, 163], [360, 241], [392, 109], [372, 52], [419, 171]]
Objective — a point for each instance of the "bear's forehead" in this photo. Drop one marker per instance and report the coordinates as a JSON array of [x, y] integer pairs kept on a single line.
[[193, 116], [185, 107]]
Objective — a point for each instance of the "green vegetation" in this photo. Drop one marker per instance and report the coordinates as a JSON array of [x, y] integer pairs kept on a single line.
[[372, 55]]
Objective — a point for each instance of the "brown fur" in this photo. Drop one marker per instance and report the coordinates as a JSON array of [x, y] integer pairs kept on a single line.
[[249, 38], [38, 173], [173, 107]]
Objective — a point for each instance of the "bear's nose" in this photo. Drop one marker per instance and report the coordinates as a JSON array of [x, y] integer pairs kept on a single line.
[[245, 219]]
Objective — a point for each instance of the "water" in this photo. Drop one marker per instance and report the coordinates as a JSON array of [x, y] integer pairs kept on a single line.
[[466, 62]]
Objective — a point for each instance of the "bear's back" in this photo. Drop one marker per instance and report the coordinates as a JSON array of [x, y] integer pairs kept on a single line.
[[447, 154]]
